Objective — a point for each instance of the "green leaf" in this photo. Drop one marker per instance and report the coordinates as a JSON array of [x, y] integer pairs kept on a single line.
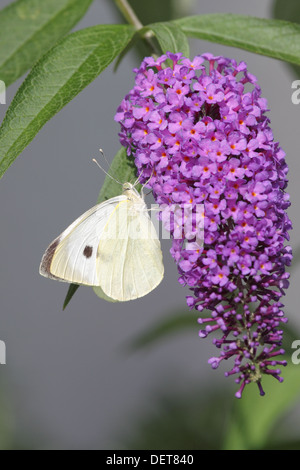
[[288, 10], [254, 416], [73, 289], [29, 28], [193, 420], [285, 445], [172, 324], [71, 292], [273, 38], [122, 169], [55, 80], [170, 37]]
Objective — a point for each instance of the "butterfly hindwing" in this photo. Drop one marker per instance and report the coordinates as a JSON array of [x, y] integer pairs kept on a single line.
[[129, 263]]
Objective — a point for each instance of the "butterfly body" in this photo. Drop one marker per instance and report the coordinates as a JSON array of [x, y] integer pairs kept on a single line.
[[113, 247]]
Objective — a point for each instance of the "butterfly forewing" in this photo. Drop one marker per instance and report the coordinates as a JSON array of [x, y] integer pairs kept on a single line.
[[72, 256]]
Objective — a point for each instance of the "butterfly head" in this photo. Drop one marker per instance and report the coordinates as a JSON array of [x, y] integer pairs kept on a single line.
[[127, 187], [132, 194]]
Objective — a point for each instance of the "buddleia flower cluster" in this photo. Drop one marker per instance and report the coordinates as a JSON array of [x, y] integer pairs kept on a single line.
[[199, 129]]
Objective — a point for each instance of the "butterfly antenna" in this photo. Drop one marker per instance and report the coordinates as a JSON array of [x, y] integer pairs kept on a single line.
[[138, 179], [104, 156], [149, 179], [108, 164], [107, 174]]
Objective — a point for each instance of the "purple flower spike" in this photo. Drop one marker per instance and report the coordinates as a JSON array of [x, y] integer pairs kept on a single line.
[[199, 131]]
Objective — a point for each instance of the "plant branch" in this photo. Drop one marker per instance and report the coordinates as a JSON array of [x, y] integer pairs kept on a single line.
[[132, 19], [129, 14]]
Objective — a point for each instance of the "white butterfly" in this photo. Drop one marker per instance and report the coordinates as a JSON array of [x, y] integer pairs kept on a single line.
[[113, 247]]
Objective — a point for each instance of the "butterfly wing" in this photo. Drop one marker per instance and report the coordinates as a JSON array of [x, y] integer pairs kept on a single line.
[[72, 256], [129, 261]]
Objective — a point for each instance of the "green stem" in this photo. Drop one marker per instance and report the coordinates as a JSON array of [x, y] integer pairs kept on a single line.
[[129, 14], [132, 19]]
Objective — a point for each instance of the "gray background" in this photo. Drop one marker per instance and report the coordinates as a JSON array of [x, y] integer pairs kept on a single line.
[[70, 382]]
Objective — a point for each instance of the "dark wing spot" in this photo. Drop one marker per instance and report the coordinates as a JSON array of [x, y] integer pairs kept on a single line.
[[88, 251]]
